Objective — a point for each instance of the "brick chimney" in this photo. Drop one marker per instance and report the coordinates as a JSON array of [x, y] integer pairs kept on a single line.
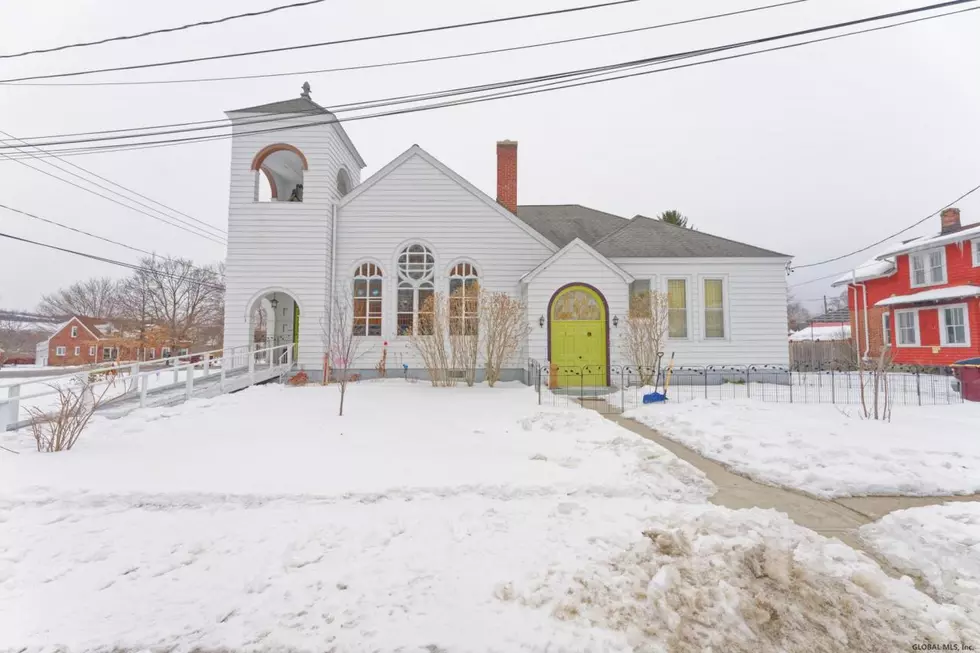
[[507, 175], [950, 219]]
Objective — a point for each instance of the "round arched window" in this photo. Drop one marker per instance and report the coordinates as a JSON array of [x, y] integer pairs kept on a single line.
[[416, 289]]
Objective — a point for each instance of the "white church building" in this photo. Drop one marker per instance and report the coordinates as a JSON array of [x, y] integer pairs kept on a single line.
[[303, 225]]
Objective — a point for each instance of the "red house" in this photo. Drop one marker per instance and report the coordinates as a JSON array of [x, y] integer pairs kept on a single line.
[[921, 298]]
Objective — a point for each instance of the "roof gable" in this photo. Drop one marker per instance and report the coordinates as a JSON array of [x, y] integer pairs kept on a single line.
[[416, 151], [578, 244], [644, 237], [86, 323]]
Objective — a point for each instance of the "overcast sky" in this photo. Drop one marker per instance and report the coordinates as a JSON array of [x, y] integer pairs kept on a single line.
[[813, 151]]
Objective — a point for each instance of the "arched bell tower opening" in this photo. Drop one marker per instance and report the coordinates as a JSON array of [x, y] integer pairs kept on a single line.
[[279, 173]]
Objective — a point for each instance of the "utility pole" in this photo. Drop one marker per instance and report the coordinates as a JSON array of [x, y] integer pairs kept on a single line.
[[825, 303]]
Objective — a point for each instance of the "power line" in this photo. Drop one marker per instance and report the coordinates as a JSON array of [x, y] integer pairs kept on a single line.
[[131, 266], [305, 46], [204, 235], [219, 232], [404, 62], [610, 68], [80, 231], [889, 237], [164, 30]]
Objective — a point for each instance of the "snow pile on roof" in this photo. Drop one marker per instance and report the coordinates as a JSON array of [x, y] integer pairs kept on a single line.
[[937, 295], [935, 240], [871, 269], [828, 453], [838, 332], [938, 544]]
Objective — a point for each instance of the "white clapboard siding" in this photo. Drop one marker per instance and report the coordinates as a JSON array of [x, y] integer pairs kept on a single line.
[[574, 265], [417, 201], [283, 246], [755, 308]]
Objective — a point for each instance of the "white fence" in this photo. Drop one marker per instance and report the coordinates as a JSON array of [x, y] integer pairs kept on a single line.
[[222, 369]]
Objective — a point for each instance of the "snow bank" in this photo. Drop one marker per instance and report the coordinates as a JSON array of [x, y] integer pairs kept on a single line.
[[706, 578], [940, 544], [828, 451]]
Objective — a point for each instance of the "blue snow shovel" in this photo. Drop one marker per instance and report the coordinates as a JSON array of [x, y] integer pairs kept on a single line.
[[661, 397]]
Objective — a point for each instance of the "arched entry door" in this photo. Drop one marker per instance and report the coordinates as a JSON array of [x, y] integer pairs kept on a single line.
[[578, 340], [274, 320]]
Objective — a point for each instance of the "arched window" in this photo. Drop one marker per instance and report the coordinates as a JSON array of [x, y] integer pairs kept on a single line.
[[416, 287], [343, 182], [279, 171], [464, 294], [367, 300]]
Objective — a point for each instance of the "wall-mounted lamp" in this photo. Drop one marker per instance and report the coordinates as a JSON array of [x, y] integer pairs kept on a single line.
[[541, 321], [616, 321], [274, 302]]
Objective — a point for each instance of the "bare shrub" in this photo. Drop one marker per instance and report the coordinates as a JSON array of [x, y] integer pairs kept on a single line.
[[59, 430], [464, 331], [431, 341], [504, 328], [342, 345], [645, 331], [873, 377]]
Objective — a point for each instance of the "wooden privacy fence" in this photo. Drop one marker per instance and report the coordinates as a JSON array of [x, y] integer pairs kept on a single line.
[[816, 353]]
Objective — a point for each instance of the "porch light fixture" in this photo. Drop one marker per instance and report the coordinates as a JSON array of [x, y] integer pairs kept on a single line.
[[541, 321], [616, 321], [274, 302]]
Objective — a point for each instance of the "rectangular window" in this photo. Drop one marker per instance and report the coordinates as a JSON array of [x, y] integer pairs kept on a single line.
[[908, 328], [676, 308], [78, 351], [59, 351], [886, 329], [91, 350], [153, 353], [165, 352], [107, 353], [184, 351], [367, 307], [714, 308], [954, 331], [74, 332], [406, 311], [975, 245], [927, 268]]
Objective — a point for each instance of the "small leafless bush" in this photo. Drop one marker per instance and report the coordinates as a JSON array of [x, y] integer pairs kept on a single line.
[[504, 328], [59, 430], [873, 376], [645, 331], [431, 341], [342, 344]]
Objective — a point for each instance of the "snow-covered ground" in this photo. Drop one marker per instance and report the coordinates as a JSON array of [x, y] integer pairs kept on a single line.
[[904, 389], [941, 544], [426, 519], [829, 451]]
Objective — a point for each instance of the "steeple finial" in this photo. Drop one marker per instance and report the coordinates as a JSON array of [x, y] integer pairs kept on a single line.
[[306, 91]]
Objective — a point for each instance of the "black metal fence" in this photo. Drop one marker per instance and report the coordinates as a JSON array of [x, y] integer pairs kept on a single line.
[[623, 387]]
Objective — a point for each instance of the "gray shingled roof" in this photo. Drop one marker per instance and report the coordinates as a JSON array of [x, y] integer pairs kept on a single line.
[[645, 237], [295, 105], [641, 237], [563, 223]]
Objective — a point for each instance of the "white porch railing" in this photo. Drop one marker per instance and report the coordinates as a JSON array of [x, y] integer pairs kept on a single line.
[[243, 364]]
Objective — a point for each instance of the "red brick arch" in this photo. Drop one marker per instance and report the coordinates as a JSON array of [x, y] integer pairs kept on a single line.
[[277, 147]]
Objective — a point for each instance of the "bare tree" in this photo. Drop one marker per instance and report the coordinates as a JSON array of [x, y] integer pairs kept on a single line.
[[873, 377], [431, 341], [59, 430], [181, 297], [340, 339], [797, 315], [95, 297], [645, 331], [504, 328]]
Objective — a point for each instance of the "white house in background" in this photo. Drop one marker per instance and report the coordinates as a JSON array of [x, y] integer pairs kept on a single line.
[[302, 226]]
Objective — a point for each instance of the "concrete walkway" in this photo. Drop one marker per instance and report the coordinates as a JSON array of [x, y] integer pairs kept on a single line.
[[838, 518]]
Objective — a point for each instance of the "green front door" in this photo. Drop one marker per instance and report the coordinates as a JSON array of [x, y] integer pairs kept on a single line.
[[578, 337], [295, 330]]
